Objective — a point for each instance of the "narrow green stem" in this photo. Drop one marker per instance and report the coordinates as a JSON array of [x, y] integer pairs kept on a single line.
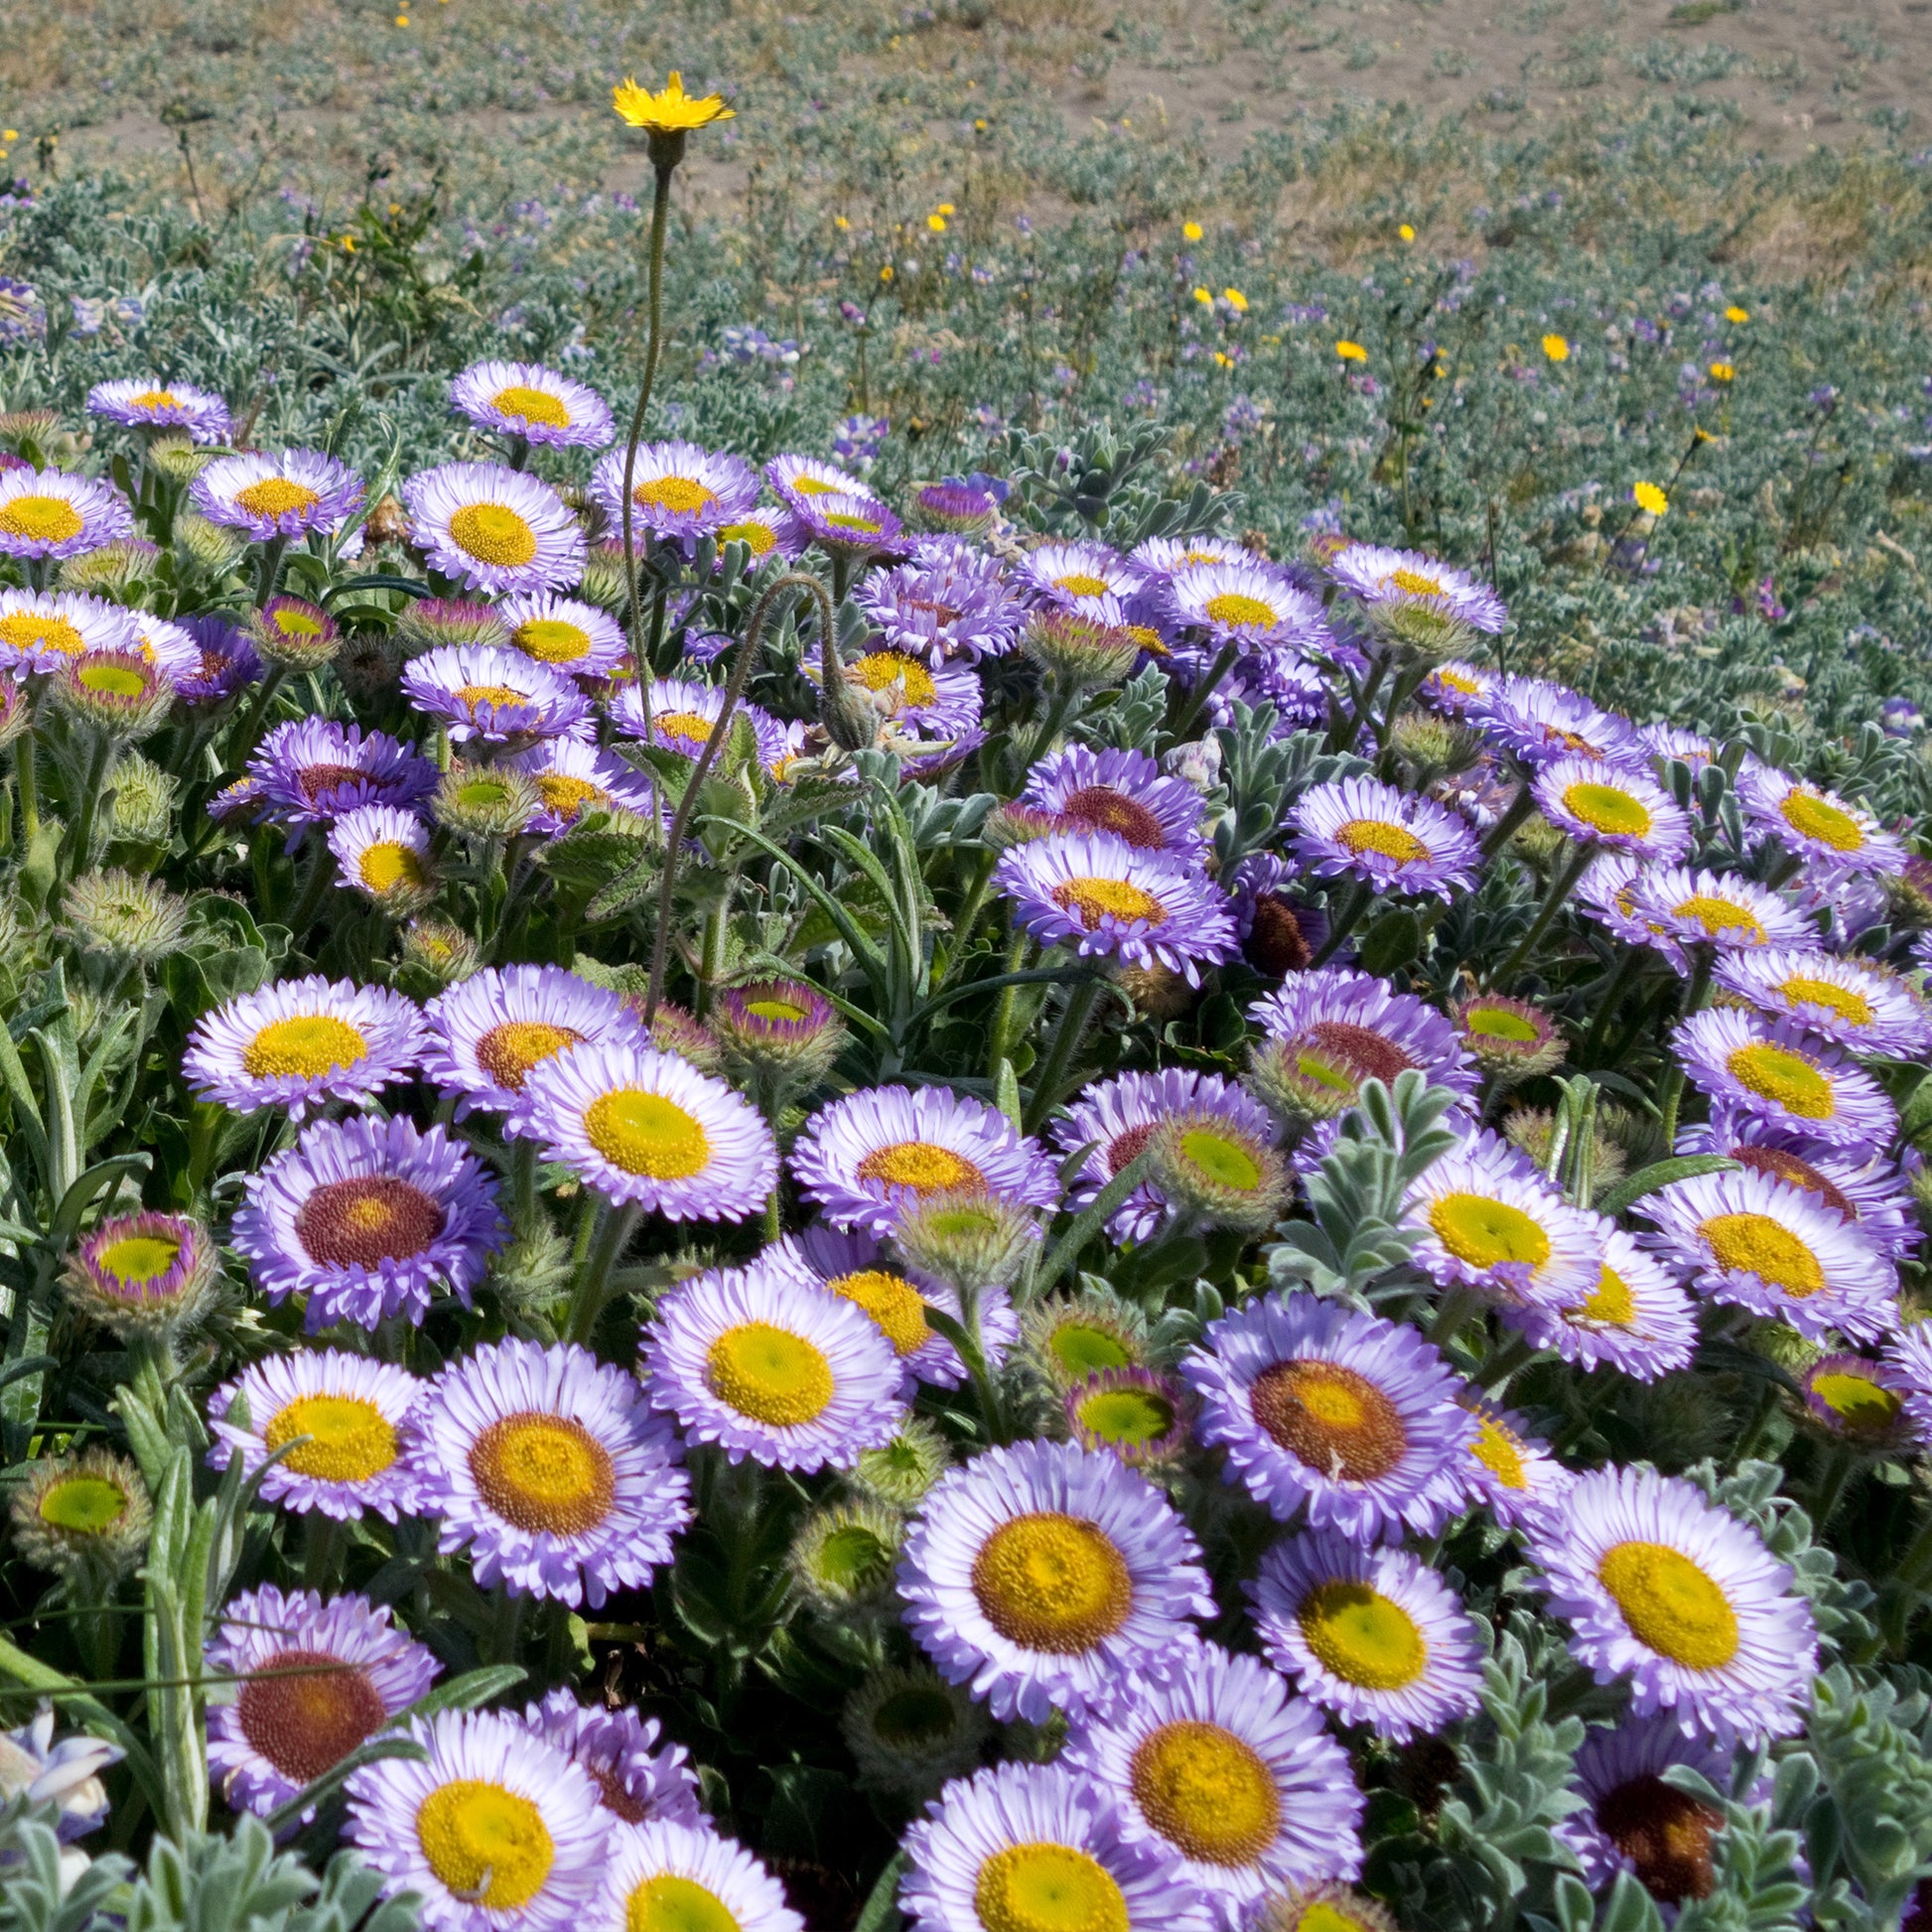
[[966, 918], [1003, 1012], [1364, 706], [315, 883], [269, 570], [1343, 922], [524, 1182], [26, 749], [1563, 882], [660, 213], [1202, 691], [1606, 1004], [505, 1625], [1831, 1479], [1051, 1076], [992, 1410], [322, 1552], [1504, 828], [711, 960], [592, 1289], [1746, 1444], [84, 806], [1695, 996], [256, 723], [1496, 1372]]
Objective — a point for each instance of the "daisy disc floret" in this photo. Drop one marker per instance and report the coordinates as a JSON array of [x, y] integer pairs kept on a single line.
[[1393, 841], [670, 1875], [1121, 792], [299, 1043], [382, 853], [549, 1469], [572, 638], [1786, 1076], [1666, 1591], [1374, 1635], [1039, 1573], [1250, 605], [49, 513], [312, 771], [1089, 578], [765, 1367], [495, 530], [535, 404], [1621, 809], [287, 495], [1680, 908], [1321, 1407], [42, 630], [641, 1126]]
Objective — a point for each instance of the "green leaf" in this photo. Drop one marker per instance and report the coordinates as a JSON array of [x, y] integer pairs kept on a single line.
[[1393, 940], [390, 1745], [880, 1913], [1090, 1220], [1662, 1173], [472, 1690]]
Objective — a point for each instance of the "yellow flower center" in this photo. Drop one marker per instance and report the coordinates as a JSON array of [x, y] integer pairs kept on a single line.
[[644, 1133], [1859, 1403], [892, 1302], [1329, 1418], [493, 533], [1498, 1450], [1224, 1161], [1500, 1023], [294, 622], [1236, 611], [1813, 817], [506, 1052], [569, 797], [1096, 900], [866, 527], [1415, 582], [350, 1440], [82, 1505], [1791, 1081], [531, 405], [1671, 1604], [1846, 1001], [686, 725], [676, 496], [543, 1472], [770, 1374], [41, 519], [485, 1843], [1362, 1637], [1607, 809], [1207, 1791], [813, 487], [388, 864], [550, 641], [26, 632], [1081, 583], [920, 1166], [113, 680], [1053, 1583], [276, 496], [1754, 1244], [1460, 681], [1045, 1887], [1485, 1232], [882, 670], [139, 1257], [1323, 1917], [154, 399], [775, 1010], [1397, 841], [668, 1903], [757, 537], [473, 696], [1718, 915], [1609, 1301], [307, 1046]]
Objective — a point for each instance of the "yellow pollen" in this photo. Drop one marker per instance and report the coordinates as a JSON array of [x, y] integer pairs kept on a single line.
[[686, 725], [154, 399], [1397, 841], [677, 496], [550, 641], [276, 496], [389, 864], [41, 519], [757, 537], [866, 527], [1845, 1002], [292, 621], [507, 1052], [1756, 1244], [1224, 1161], [485, 1843], [1081, 583], [1096, 900], [645, 1134], [1485, 1232], [1046, 1887], [770, 1374], [1813, 817], [668, 1903], [1237, 611], [139, 1257], [352, 1440], [814, 486], [882, 670], [1609, 1301], [1498, 1450], [82, 1505], [922, 1166], [568, 797], [1206, 1791], [893, 1302], [1362, 1637], [1718, 915], [26, 632], [532, 405], [1460, 681], [476, 695], [1671, 1604], [1415, 582], [308, 1045], [1052, 1582], [545, 1473], [1775, 1073], [775, 1010], [493, 533], [1609, 810]]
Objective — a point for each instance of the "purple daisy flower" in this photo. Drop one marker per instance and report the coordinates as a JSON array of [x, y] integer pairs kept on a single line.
[[1137, 1416], [1122, 792], [1858, 1400], [1854, 1002], [1541, 722], [1513, 1473], [667, 1876], [495, 696], [153, 404], [946, 603], [300, 1043], [356, 1414], [40, 630], [1391, 841], [368, 1219], [313, 770], [684, 712], [761, 1364], [573, 777], [288, 494], [1635, 1317], [861, 1157], [49, 513], [1041, 1576], [797, 479], [1817, 824], [1251, 605], [1087, 577], [572, 638], [318, 1679], [934, 703], [1106, 899], [678, 492], [383, 854], [1663, 1588], [1784, 1075], [1908, 1354], [495, 530], [1667, 742], [637, 1778], [1364, 1026], [1374, 1635], [1456, 688], [1121, 1115], [1382, 576], [1679, 907], [1620, 809], [856, 523], [549, 1469], [532, 404], [765, 533], [1351, 1416]]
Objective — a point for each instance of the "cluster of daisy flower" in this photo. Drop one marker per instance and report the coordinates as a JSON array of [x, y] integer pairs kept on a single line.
[[1129, 1593]]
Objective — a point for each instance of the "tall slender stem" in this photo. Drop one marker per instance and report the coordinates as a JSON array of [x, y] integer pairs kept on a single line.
[[1066, 1043], [1563, 883], [25, 751], [617, 1224]]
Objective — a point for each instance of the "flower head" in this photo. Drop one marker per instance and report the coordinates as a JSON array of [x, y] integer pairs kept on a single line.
[[152, 404], [638, 1780], [1621, 809], [533, 404], [144, 1274], [1786, 1076], [668, 111], [85, 1518], [1393, 841], [288, 494], [673, 1873], [383, 854], [50, 514], [495, 696], [678, 491], [494, 529]]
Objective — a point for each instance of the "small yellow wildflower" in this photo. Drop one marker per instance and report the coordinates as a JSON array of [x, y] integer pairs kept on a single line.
[[1225, 360], [1723, 372], [1351, 351], [886, 273], [1650, 498], [937, 222], [1406, 233], [348, 243], [979, 128], [1191, 231], [1205, 297], [946, 208], [841, 224], [1556, 347], [9, 134], [1736, 314], [1235, 301], [672, 111]]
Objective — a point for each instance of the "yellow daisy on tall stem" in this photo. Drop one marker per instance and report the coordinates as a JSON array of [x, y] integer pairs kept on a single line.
[[666, 118]]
